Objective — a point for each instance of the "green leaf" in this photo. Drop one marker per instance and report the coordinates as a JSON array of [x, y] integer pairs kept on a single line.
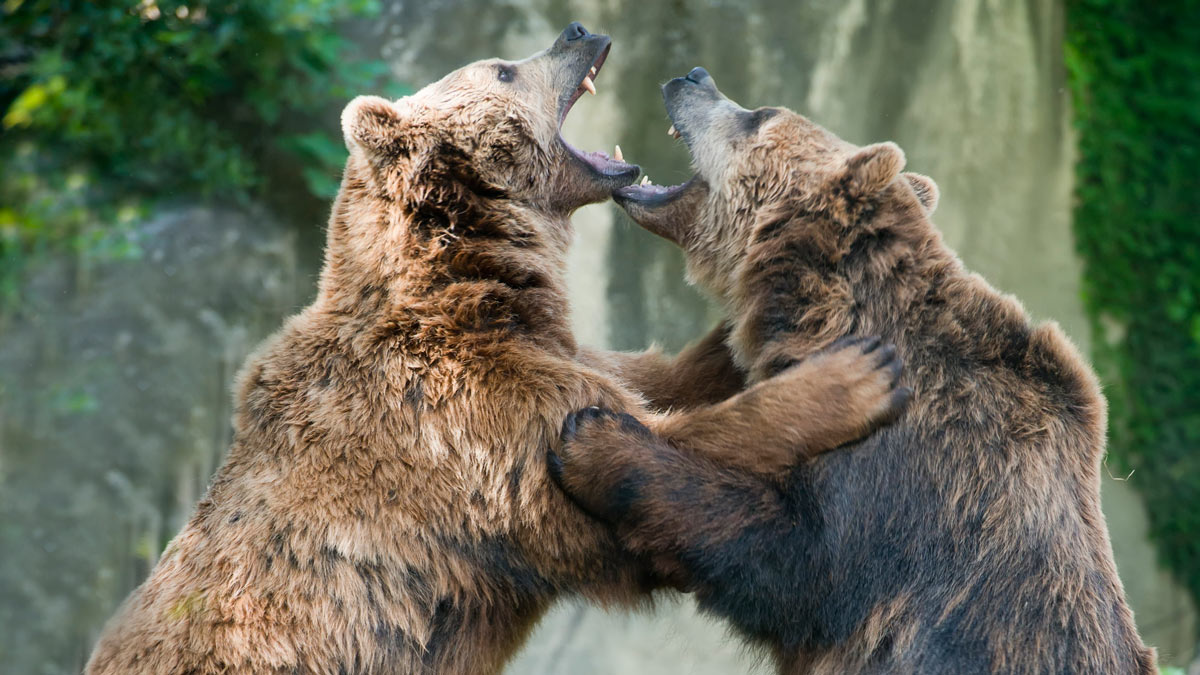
[[116, 107]]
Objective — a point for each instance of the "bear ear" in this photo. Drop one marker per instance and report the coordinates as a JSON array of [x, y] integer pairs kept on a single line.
[[375, 125], [927, 190], [873, 167]]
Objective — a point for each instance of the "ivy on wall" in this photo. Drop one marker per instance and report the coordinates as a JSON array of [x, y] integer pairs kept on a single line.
[[1134, 71]]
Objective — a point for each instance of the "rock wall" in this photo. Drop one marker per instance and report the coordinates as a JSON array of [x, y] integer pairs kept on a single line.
[[115, 379], [114, 412]]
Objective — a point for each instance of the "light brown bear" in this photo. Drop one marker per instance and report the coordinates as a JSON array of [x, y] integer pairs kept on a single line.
[[385, 506], [965, 538]]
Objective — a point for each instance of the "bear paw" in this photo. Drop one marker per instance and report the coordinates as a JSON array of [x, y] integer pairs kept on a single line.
[[854, 385], [870, 378], [594, 462]]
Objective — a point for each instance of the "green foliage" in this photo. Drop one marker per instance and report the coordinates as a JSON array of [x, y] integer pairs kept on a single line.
[[1133, 70], [108, 106]]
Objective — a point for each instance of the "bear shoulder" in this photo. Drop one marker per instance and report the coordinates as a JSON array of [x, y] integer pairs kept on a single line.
[[1070, 383]]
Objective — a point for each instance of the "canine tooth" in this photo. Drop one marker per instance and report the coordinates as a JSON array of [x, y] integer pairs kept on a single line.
[[587, 84], [617, 155], [645, 180], [671, 131]]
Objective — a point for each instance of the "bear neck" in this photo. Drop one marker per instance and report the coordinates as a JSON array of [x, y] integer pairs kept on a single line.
[[819, 278], [447, 259]]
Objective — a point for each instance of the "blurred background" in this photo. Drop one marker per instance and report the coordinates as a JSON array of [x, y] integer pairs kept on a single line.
[[166, 170]]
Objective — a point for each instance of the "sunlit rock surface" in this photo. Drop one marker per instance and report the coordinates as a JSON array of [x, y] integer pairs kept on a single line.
[[114, 412]]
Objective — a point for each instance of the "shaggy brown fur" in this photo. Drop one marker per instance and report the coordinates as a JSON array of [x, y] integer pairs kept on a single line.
[[841, 394], [965, 538], [385, 507]]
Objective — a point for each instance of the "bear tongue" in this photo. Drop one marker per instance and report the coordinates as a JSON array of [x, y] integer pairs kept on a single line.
[[601, 161]]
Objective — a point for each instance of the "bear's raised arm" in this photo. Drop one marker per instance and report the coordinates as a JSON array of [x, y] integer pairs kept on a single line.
[[833, 397], [684, 481], [669, 506]]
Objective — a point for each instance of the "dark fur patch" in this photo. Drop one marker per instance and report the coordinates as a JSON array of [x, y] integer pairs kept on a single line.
[[447, 618], [509, 573], [751, 120], [514, 479], [415, 394]]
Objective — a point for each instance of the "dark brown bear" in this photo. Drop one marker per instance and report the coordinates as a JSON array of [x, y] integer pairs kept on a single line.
[[967, 537], [384, 507]]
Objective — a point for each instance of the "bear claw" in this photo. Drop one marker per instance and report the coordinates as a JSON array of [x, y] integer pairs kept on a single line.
[[554, 464], [570, 428], [898, 403]]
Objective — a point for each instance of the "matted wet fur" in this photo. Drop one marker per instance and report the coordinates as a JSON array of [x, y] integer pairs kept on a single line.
[[965, 538], [385, 506]]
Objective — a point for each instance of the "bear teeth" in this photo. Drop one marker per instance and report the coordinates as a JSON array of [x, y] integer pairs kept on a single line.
[[617, 154], [589, 85], [673, 132]]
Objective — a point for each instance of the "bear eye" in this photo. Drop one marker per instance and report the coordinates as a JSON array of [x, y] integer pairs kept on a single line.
[[505, 73], [762, 115], [751, 121]]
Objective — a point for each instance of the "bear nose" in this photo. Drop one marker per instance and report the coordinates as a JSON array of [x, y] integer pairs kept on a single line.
[[698, 75], [574, 31]]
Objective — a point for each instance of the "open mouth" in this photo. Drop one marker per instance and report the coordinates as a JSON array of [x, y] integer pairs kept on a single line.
[[610, 166], [679, 94], [647, 190]]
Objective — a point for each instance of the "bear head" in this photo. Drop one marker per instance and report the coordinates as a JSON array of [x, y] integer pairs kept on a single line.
[[760, 169], [473, 161]]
